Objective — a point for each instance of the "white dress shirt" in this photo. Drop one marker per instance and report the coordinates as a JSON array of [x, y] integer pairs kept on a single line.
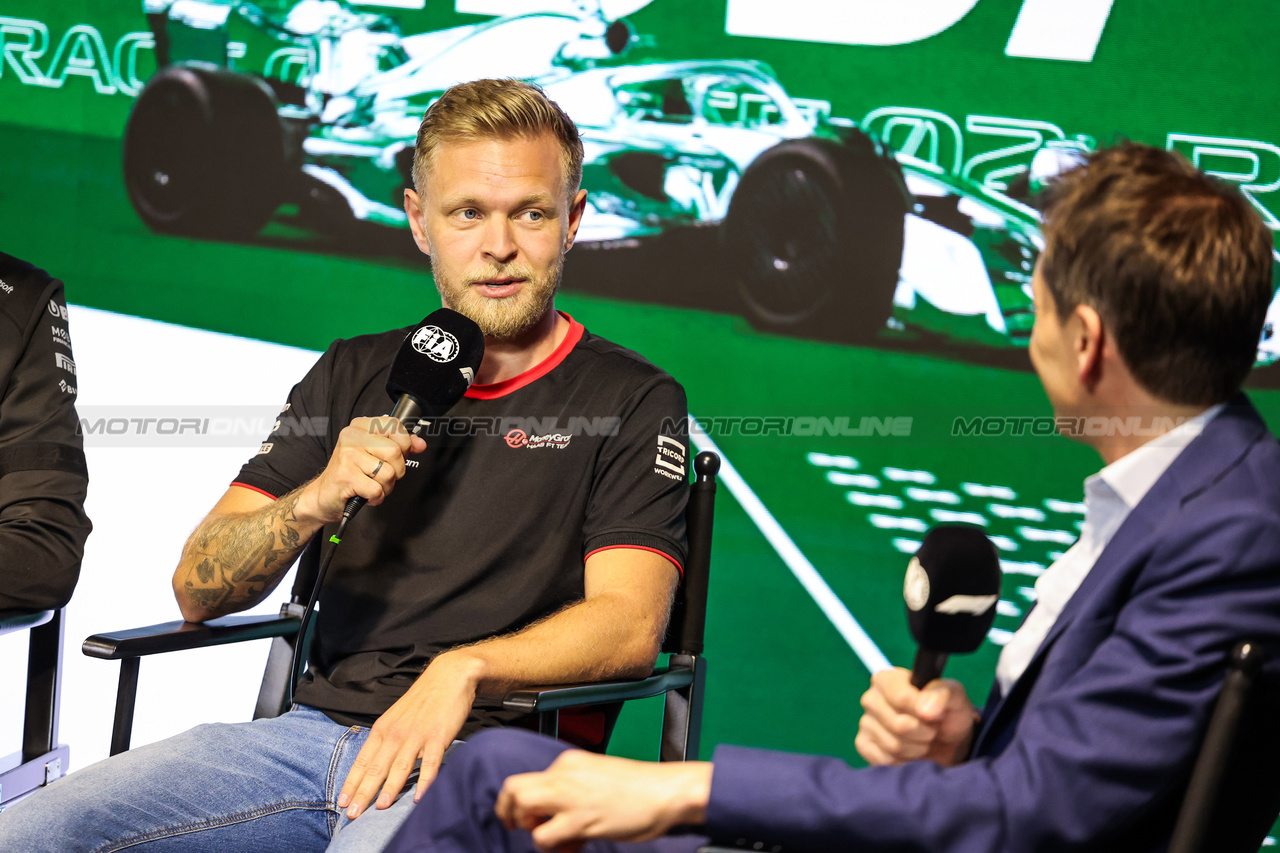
[[1109, 496]]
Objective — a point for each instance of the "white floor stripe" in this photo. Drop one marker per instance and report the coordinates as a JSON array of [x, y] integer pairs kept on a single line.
[[831, 605]]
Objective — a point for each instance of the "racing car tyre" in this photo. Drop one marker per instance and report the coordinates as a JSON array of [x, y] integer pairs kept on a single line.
[[813, 238], [204, 153]]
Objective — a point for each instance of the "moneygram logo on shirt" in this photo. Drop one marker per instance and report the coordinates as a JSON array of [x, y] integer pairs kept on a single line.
[[435, 343], [518, 438]]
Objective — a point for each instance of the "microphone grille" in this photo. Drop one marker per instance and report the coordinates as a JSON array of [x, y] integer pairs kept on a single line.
[[437, 362], [952, 588]]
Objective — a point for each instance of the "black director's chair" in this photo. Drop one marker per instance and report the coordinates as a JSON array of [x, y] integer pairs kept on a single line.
[[681, 680], [42, 759], [684, 678], [1234, 792]]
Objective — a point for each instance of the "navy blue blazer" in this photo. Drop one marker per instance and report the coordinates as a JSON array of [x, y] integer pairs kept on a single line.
[[1092, 748]]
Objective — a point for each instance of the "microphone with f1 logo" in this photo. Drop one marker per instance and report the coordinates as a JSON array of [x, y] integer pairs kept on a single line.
[[434, 367], [951, 591]]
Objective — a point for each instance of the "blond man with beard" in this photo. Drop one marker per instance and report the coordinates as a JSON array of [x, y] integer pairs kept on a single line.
[[529, 539]]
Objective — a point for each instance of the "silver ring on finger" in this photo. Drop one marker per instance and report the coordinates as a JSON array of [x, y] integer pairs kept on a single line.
[[376, 469]]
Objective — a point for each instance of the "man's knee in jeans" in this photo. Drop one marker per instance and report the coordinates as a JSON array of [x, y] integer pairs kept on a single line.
[[163, 787], [52, 816]]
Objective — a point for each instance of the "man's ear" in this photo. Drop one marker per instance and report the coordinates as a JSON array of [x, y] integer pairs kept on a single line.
[[413, 210], [576, 207], [1090, 340]]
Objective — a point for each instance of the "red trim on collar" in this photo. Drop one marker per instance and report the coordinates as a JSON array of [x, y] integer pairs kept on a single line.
[[539, 370], [254, 489]]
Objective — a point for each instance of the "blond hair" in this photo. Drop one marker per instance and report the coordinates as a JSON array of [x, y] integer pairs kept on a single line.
[[496, 109]]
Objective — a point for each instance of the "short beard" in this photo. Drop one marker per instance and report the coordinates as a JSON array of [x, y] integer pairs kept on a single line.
[[511, 316]]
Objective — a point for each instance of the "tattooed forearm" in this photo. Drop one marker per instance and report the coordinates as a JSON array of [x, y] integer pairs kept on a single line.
[[207, 597], [232, 561]]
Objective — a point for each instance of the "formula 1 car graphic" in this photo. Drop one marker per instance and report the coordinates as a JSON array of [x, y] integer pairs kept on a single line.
[[822, 231]]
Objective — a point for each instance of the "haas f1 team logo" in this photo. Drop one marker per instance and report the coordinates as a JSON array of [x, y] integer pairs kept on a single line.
[[436, 344], [518, 438]]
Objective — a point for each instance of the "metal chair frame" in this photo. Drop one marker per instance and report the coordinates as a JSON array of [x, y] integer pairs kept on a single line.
[[42, 758], [1232, 790]]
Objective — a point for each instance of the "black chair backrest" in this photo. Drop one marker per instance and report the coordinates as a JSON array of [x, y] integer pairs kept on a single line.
[[1234, 792], [688, 622], [304, 580], [276, 693]]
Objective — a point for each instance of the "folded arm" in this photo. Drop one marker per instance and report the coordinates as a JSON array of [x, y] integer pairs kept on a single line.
[[43, 478], [42, 534]]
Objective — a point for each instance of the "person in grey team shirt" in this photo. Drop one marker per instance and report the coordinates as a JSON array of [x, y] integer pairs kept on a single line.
[[43, 478]]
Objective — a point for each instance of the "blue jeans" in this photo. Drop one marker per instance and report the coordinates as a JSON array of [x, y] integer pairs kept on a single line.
[[456, 814], [268, 785]]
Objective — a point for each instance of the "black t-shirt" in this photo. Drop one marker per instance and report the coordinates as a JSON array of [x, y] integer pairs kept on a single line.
[[489, 529], [43, 479]]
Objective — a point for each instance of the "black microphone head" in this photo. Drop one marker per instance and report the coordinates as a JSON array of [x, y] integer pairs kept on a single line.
[[951, 590], [437, 362]]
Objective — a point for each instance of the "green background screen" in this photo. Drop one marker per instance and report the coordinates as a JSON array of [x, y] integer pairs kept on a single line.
[[966, 93]]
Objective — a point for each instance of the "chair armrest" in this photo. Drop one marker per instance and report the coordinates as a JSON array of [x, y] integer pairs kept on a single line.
[[177, 636], [17, 620], [558, 698]]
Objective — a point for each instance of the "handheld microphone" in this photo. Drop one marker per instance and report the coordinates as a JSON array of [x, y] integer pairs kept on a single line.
[[436, 364], [951, 590]]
